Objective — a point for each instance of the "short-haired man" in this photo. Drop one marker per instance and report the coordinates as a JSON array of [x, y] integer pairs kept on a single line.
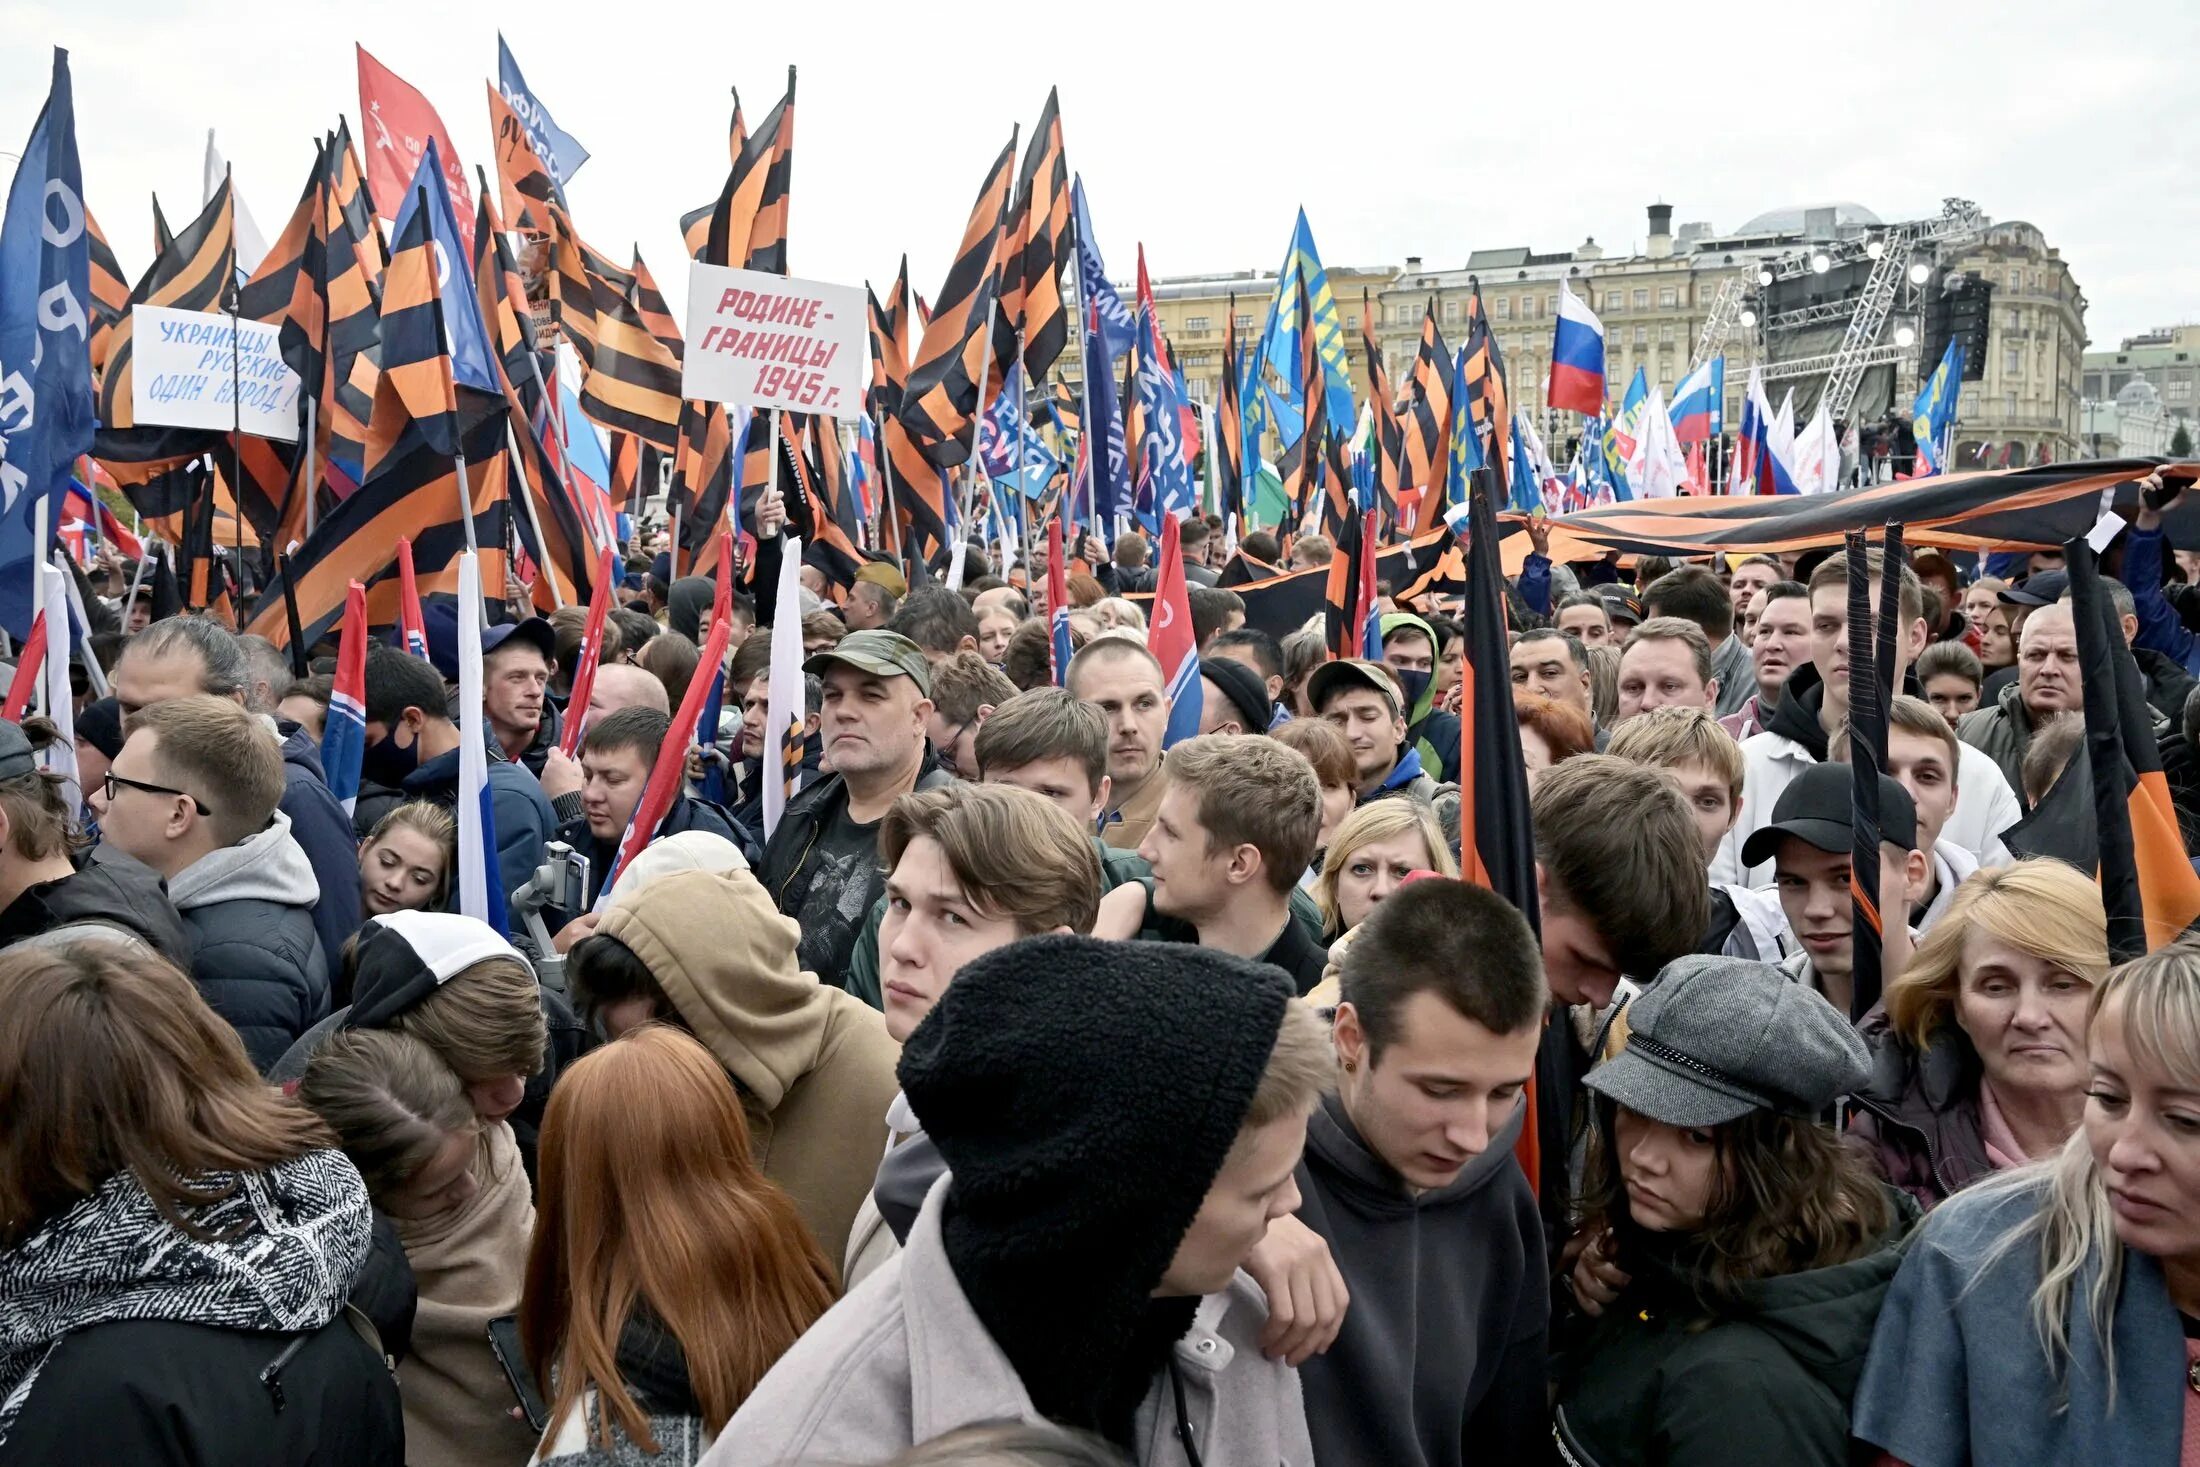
[[1810, 845], [1666, 664], [1586, 618], [1215, 610], [1751, 576], [1079, 1190], [1005, 597], [969, 868], [183, 655], [1746, 921], [965, 691], [1235, 830], [1127, 571], [1409, 1177], [748, 678], [1410, 651], [821, 866], [1257, 650], [1197, 540], [623, 685], [193, 795], [1815, 704], [870, 606], [412, 753], [1123, 680], [517, 660], [1782, 644], [937, 620], [1924, 756], [1309, 551], [1696, 595], [2049, 681], [1364, 701], [1619, 875], [618, 753], [1554, 664]]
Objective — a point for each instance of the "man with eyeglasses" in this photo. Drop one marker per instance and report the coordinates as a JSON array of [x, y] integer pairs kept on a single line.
[[965, 690], [193, 795]]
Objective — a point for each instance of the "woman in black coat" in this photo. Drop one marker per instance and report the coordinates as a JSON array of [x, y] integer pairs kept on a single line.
[[177, 1240]]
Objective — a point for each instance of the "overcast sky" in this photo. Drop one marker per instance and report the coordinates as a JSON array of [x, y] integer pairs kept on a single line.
[[1200, 127]]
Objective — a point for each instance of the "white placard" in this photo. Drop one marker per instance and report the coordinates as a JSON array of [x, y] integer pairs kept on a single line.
[[185, 374], [765, 341]]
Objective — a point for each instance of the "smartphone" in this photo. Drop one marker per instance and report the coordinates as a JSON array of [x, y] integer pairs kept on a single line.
[[504, 1341]]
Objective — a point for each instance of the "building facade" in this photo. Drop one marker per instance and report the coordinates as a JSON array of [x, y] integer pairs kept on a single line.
[[2026, 408], [2167, 358]]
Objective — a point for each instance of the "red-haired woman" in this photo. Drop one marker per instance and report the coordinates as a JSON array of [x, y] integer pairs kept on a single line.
[[1550, 733], [667, 1275]]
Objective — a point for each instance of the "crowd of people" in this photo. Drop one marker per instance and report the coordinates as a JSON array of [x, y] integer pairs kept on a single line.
[[1038, 1089]]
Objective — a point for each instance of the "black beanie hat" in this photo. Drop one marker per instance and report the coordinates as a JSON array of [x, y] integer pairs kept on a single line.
[[100, 725], [1085, 1095], [1246, 689]]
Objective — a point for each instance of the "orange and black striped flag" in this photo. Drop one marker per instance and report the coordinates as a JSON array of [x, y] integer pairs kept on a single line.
[[563, 548], [332, 331], [1483, 382], [889, 325], [702, 474], [2147, 881], [163, 236], [361, 226], [1229, 444], [1340, 500], [1390, 436], [746, 226], [1349, 592], [656, 314], [1302, 461], [197, 272], [1427, 426], [633, 382], [415, 401], [818, 513], [956, 373], [1035, 248], [110, 292], [523, 180]]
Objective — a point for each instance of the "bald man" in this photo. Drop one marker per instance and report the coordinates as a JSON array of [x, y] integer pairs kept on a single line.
[[2047, 683], [623, 685]]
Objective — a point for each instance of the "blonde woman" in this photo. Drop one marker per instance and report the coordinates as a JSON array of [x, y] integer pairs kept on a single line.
[[2046, 1315], [1980, 1063], [1375, 849], [405, 865]]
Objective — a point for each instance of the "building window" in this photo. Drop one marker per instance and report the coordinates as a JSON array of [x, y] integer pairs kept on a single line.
[[1245, 322], [1666, 297], [1502, 308], [1351, 323], [1642, 335], [1451, 310], [1195, 323], [1615, 300], [1665, 331], [1642, 300], [1550, 305], [2012, 364]]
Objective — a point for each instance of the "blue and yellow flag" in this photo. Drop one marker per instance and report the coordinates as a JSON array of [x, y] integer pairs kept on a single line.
[[1933, 414], [1281, 336]]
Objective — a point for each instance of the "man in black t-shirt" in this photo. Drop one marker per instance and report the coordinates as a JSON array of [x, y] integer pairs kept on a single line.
[[821, 866]]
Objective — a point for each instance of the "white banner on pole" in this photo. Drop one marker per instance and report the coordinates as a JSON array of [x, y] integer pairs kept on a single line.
[[186, 374], [765, 341]]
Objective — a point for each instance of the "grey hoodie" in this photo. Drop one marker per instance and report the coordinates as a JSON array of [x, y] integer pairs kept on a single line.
[[254, 952], [1441, 1359]]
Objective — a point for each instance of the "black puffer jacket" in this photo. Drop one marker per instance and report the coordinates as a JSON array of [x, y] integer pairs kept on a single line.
[[108, 890]]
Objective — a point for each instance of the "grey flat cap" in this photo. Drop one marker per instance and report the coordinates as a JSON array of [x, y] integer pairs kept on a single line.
[[1716, 1038]]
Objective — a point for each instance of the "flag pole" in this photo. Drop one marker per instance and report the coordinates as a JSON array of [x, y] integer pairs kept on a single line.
[[313, 467], [534, 521], [1084, 380], [41, 529]]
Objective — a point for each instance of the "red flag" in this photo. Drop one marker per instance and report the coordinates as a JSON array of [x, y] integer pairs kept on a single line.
[[411, 623], [584, 675], [30, 658], [397, 123], [670, 770]]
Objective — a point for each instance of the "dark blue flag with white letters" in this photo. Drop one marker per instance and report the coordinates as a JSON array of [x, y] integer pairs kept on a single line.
[[46, 412], [560, 151]]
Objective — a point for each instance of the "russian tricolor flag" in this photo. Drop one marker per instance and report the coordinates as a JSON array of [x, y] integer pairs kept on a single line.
[[344, 741], [480, 885], [1699, 403], [1577, 356], [1059, 648]]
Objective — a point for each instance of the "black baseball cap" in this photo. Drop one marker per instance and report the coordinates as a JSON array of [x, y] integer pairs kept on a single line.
[[2044, 589], [1816, 808]]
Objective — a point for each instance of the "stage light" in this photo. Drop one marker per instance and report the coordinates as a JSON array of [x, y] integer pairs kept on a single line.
[[1749, 317], [1876, 249], [1764, 276], [1820, 263], [1904, 336], [1920, 273]]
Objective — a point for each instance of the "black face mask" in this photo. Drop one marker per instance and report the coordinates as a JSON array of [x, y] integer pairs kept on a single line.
[[1413, 683], [386, 762]]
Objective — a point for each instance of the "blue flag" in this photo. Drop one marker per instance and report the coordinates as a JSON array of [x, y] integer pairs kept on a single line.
[[46, 409], [559, 151], [1283, 332], [1164, 481], [1116, 327], [1111, 467], [1464, 453], [464, 335]]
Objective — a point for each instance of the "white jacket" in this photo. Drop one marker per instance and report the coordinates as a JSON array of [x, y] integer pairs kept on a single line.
[[1985, 805]]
